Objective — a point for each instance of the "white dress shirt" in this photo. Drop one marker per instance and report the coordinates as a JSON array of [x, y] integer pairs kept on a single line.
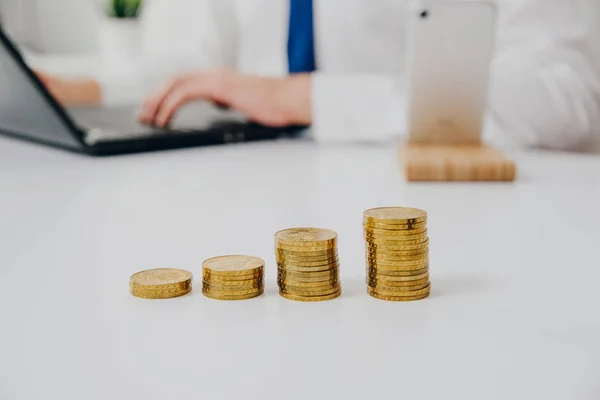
[[543, 90]]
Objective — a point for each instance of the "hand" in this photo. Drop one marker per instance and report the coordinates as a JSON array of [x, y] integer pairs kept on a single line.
[[268, 101], [71, 92]]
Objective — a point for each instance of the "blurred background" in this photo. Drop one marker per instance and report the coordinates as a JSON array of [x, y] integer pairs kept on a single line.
[[73, 26]]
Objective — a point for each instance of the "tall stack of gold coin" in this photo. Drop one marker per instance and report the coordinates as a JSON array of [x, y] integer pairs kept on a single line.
[[397, 253], [307, 264], [233, 277], [161, 283]]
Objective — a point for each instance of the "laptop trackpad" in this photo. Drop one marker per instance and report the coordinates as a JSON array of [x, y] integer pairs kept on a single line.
[[195, 116]]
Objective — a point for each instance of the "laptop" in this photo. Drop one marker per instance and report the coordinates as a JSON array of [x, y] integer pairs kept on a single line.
[[28, 111]]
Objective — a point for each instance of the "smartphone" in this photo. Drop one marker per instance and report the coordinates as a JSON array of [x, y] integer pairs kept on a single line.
[[450, 47]]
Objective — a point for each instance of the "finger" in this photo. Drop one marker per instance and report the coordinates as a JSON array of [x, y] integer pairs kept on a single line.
[[152, 104], [174, 100]]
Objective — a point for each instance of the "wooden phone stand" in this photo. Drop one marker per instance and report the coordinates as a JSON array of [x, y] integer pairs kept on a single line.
[[435, 162]]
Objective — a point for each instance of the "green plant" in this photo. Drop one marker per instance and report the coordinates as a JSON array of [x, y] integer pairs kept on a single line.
[[124, 8]]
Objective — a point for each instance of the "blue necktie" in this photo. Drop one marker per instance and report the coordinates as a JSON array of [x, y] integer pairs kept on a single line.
[[301, 42]]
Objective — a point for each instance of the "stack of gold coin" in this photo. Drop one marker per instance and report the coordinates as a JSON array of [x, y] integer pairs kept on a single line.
[[233, 277], [397, 253], [307, 264], [161, 283]]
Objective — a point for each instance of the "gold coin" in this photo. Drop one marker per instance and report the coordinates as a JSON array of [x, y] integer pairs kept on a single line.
[[376, 272], [221, 287], [387, 269], [395, 215], [306, 237], [308, 285], [405, 252], [394, 227], [161, 283], [311, 298], [396, 245], [375, 282], [306, 254], [218, 296], [315, 275], [161, 293], [397, 292], [397, 298], [384, 256], [301, 291], [396, 235], [323, 259], [398, 264], [390, 280], [309, 277], [233, 265], [397, 230], [288, 247], [294, 268], [233, 280], [216, 290], [308, 263]]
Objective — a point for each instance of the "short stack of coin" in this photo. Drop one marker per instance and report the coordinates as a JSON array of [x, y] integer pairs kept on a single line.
[[233, 277], [307, 264], [397, 253], [161, 283]]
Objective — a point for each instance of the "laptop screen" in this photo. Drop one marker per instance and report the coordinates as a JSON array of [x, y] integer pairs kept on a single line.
[[25, 108]]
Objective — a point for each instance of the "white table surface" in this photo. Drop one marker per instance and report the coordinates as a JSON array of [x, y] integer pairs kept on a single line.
[[514, 312]]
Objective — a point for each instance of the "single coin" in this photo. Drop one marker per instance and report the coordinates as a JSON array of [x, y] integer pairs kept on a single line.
[[395, 235], [396, 245], [308, 292], [307, 286], [397, 241], [161, 283], [404, 250], [217, 290], [395, 215], [399, 266], [165, 293], [311, 274], [399, 293], [308, 263], [222, 286], [233, 265], [294, 268], [376, 282], [287, 257], [319, 280], [306, 254], [218, 296], [381, 256], [379, 225], [398, 290], [390, 280], [288, 247], [311, 298], [232, 280], [397, 298], [306, 237], [376, 272], [397, 230], [334, 274]]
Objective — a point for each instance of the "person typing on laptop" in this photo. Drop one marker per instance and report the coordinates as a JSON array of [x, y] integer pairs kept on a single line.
[[339, 68]]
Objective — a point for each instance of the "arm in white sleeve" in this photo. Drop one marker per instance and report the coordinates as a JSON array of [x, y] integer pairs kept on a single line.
[[544, 92], [175, 42]]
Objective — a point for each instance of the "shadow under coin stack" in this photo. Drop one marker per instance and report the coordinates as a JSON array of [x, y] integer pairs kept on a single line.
[[397, 253], [161, 283], [233, 277], [307, 264]]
